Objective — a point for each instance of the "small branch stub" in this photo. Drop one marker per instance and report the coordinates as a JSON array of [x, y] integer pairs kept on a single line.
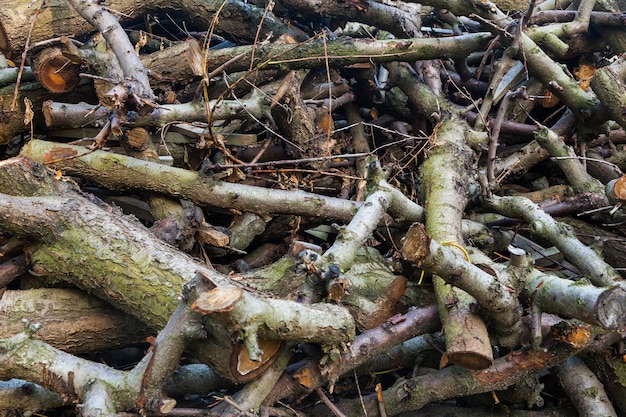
[[218, 300], [416, 244]]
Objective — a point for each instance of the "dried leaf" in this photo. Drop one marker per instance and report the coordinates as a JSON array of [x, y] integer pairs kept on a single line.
[[583, 74], [325, 122], [28, 112], [305, 378], [143, 40], [416, 244]]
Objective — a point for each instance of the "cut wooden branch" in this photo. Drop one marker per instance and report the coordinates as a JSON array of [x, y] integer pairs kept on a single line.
[[176, 65], [584, 388], [144, 276], [600, 306], [414, 393], [566, 159], [110, 28], [122, 172], [313, 54], [560, 235], [402, 23], [33, 360], [175, 225], [609, 83], [60, 114], [57, 19], [584, 104], [13, 119], [251, 396], [368, 345], [446, 172], [494, 294]]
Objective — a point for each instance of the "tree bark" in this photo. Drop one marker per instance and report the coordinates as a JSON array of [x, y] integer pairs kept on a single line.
[[72, 321]]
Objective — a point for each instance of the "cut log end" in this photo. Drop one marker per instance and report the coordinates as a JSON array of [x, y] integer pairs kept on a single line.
[[55, 72], [619, 188], [244, 368], [611, 309], [470, 360], [217, 300]]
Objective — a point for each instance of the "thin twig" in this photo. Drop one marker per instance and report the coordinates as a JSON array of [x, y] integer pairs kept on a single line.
[[23, 62], [268, 9], [330, 88], [358, 388], [332, 407], [293, 161]]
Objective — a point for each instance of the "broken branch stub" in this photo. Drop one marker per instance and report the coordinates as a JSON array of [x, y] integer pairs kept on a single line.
[[416, 244], [217, 300]]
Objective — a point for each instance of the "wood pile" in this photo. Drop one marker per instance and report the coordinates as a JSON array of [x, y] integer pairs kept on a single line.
[[312, 208]]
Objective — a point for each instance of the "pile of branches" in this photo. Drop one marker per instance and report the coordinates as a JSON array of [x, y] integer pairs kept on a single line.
[[312, 208]]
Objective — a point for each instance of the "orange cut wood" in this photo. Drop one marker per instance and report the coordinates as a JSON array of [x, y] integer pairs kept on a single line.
[[217, 300], [55, 72]]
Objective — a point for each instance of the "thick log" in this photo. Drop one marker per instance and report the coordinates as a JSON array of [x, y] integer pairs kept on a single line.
[[57, 19], [72, 320], [12, 119], [116, 258]]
